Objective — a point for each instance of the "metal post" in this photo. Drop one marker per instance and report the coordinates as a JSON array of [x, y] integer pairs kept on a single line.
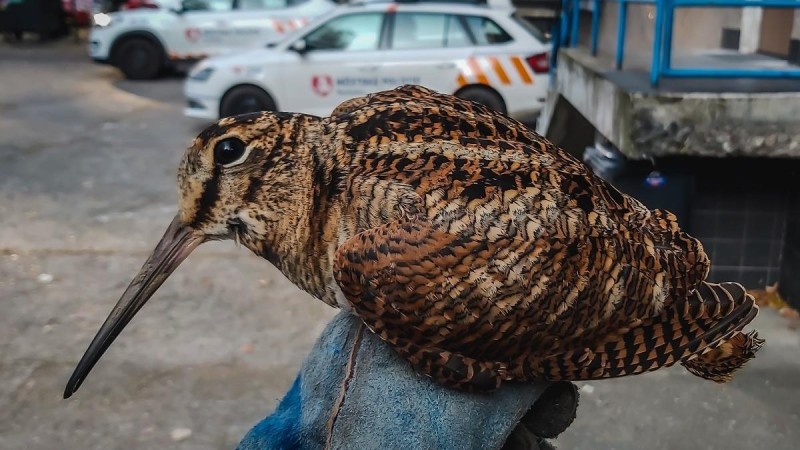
[[622, 24], [595, 25], [565, 9], [655, 69], [669, 23], [575, 28], [556, 32]]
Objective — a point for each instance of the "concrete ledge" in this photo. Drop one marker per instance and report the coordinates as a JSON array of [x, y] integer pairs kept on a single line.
[[644, 122]]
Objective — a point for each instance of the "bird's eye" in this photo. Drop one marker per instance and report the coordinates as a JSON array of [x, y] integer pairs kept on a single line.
[[229, 151]]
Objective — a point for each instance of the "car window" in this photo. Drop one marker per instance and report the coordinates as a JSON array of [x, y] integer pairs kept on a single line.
[[486, 31], [352, 32], [531, 28], [207, 5], [251, 5], [421, 30]]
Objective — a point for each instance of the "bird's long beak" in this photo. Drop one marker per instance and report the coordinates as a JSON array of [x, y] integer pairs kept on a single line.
[[177, 243]]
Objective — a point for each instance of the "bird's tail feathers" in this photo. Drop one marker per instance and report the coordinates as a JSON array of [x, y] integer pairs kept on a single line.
[[719, 364], [703, 333]]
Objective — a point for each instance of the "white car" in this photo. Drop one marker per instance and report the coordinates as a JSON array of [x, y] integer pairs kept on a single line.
[[141, 42], [488, 55]]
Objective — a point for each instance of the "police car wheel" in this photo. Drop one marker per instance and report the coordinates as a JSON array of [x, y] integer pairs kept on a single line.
[[245, 99], [138, 59], [483, 96]]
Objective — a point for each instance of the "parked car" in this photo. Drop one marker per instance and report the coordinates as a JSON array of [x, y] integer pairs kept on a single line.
[[43, 17], [107, 6], [488, 55], [489, 3], [143, 41]]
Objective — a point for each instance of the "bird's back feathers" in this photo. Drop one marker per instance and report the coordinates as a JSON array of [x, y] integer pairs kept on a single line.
[[517, 262]]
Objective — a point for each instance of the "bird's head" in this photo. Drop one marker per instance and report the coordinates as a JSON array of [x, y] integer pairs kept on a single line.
[[238, 180]]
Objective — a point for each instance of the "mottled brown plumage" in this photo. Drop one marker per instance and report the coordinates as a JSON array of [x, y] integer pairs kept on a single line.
[[469, 243]]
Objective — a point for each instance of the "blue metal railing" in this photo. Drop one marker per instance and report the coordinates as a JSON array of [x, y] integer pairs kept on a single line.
[[661, 64]]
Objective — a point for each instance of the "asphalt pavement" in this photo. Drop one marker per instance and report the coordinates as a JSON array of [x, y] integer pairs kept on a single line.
[[87, 185]]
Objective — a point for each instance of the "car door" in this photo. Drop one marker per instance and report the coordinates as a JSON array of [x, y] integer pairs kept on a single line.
[[425, 48], [336, 61], [203, 28]]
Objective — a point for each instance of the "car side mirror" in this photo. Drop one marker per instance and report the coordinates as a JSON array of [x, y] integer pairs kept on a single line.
[[299, 46]]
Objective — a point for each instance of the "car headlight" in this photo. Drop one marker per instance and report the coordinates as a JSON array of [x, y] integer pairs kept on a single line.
[[202, 74], [102, 20]]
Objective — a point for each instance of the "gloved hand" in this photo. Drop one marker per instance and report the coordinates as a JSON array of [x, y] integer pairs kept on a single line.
[[354, 392]]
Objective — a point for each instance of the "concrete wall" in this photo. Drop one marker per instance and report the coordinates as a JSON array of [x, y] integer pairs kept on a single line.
[[750, 30], [641, 125]]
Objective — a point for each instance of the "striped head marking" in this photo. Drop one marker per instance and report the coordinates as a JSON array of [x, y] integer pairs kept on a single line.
[[240, 171], [239, 178]]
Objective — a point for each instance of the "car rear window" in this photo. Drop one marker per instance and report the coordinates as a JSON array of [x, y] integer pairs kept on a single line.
[[486, 31], [532, 29]]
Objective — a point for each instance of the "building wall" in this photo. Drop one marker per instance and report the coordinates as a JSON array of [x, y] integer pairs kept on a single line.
[[739, 209], [731, 17], [750, 29], [695, 29], [790, 266], [796, 25], [776, 30]]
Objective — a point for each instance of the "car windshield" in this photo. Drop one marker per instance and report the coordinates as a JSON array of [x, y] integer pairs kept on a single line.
[[486, 31], [532, 29]]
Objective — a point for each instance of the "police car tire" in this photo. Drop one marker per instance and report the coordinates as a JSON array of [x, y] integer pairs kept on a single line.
[[231, 104], [484, 96], [144, 66]]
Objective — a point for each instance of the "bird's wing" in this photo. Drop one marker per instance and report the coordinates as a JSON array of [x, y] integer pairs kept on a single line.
[[526, 265], [463, 314]]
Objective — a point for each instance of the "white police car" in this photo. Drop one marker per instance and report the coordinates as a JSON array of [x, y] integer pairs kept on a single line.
[[143, 41], [486, 55]]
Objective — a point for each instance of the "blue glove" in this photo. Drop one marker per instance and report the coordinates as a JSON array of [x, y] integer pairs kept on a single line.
[[354, 392]]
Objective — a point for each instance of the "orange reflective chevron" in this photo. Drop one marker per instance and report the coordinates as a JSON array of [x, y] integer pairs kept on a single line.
[[498, 69], [295, 24], [475, 66], [521, 70], [289, 24], [494, 71]]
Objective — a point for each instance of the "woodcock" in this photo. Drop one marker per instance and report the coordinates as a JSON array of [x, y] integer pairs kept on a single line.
[[470, 244]]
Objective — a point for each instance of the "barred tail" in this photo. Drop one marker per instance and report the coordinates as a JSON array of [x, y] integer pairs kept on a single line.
[[719, 364], [702, 332]]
